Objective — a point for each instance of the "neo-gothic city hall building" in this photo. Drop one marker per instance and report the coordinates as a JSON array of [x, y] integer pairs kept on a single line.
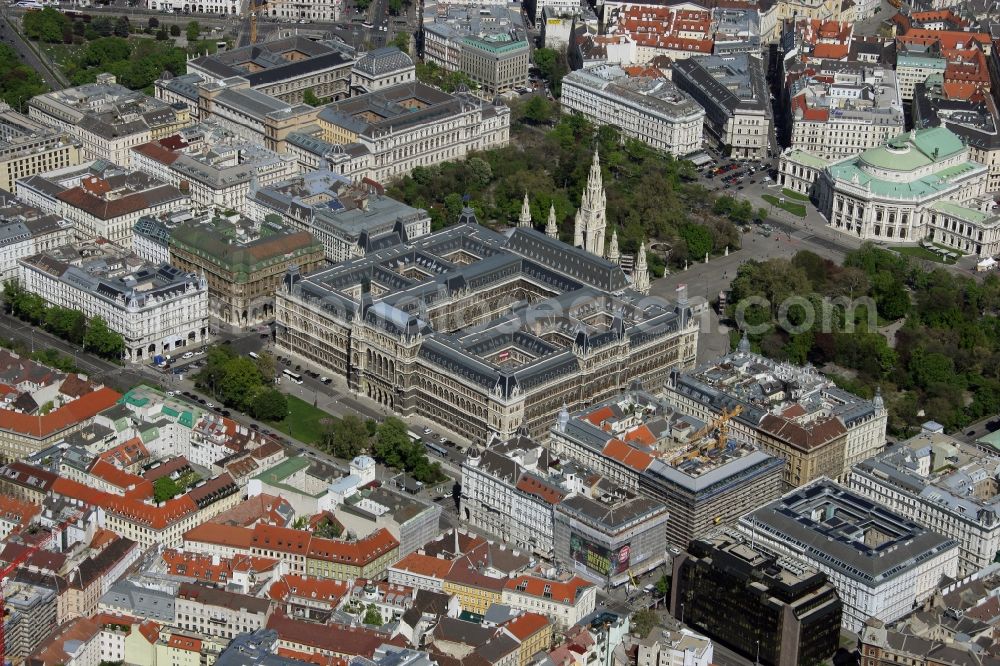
[[482, 331]]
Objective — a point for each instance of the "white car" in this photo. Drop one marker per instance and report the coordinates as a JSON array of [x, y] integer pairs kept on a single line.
[[210, 405], [188, 355], [172, 393]]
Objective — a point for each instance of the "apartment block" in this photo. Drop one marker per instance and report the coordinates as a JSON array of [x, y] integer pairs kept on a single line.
[[649, 108], [28, 146], [107, 118]]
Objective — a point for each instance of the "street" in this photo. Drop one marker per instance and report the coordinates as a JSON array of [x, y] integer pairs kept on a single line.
[[12, 37]]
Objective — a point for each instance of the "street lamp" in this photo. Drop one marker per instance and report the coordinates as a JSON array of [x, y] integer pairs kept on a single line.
[[756, 660]]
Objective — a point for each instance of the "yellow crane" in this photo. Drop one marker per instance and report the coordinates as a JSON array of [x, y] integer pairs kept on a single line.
[[258, 7], [720, 423], [253, 19]]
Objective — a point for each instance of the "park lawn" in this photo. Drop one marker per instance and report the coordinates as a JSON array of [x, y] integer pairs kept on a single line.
[[918, 252], [304, 422], [792, 194], [794, 208], [61, 54]]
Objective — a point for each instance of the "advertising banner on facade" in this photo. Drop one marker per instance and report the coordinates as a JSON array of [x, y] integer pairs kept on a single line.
[[597, 558]]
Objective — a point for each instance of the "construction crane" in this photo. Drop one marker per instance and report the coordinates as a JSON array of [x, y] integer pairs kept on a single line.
[[259, 8], [16, 563], [721, 424], [253, 19]]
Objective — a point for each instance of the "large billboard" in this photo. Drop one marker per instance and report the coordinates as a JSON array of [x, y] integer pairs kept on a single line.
[[597, 558]]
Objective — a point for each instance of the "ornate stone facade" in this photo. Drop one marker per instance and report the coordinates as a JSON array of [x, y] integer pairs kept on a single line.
[[483, 332]]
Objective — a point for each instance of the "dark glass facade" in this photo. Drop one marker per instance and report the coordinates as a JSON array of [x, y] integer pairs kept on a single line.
[[748, 601]]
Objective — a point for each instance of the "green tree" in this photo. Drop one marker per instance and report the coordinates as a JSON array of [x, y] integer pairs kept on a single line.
[[890, 296], [643, 622], [453, 204], [193, 31], [101, 340], [309, 97], [663, 586], [269, 405], [103, 26], [175, 30], [240, 381], [45, 26], [372, 616], [122, 27], [391, 442], [401, 40], [153, 23], [395, 7], [348, 437], [698, 239], [68, 324], [266, 365], [480, 170], [216, 360], [931, 368], [538, 110], [552, 66], [165, 488], [328, 529]]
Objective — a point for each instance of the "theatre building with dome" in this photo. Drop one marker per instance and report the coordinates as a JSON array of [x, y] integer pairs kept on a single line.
[[917, 186]]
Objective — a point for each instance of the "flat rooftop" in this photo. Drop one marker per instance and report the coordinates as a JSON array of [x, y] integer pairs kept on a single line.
[[847, 532]]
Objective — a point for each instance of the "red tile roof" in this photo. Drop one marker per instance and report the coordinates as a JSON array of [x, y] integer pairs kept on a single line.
[[360, 552], [315, 589], [220, 535], [628, 456], [150, 631], [260, 508], [333, 638], [102, 538], [424, 565], [565, 592], [154, 150], [107, 209], [45, 560], [166, 468], [185, 643], [126, 454], [831, 51], [155, 517], [640, 435], [948, 39], [119, 478], [312, 657], [599, 416], [52, 651], [113, 618], [18, 512], [544, 491], [201, 567], [68, 415], [283, 539], [800, 105], [527, 625], [818, 433], [463, 573]]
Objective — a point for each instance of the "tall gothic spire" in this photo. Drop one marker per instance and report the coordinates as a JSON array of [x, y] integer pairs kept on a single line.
[[613, 253], [592, 215], [640, 274], [551, 228], [525, 219]]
